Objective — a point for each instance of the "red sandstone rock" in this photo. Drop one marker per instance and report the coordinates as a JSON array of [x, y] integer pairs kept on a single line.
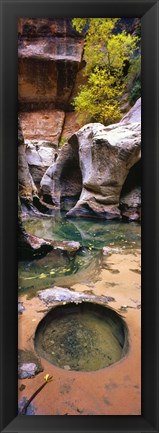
[[72, 123], [43, 125], [50, 53]]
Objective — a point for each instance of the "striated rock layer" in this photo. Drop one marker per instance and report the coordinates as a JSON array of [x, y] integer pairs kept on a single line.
[[49, 74], [50, 53]]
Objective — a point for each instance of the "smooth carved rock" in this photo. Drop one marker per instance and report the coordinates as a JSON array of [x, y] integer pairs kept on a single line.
[[95, 164], [27, 188], [63, 178], [134, 115], [41, 131], [106, 155], [40, 155]]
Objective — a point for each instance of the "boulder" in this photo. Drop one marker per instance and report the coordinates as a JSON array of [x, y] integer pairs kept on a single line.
[[59, 294], [28, 364], [106, 155], [27, 370]]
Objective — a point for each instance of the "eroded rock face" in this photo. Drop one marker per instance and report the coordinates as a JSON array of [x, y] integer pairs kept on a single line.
[[63, 178], [50, 52], [43, 125], [106, 155], [130, 198], [27, 188]]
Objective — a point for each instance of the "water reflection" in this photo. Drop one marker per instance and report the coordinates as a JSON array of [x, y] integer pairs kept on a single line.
[[93, 233], [58, 268]]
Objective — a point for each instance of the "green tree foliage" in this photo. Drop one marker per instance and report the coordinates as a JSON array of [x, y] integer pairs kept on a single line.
[[133, 80], [106, 53]]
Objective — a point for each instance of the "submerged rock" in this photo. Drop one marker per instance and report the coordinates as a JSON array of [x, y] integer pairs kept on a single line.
[[59, 294], [29, 246], [70, 246], [109, 250]]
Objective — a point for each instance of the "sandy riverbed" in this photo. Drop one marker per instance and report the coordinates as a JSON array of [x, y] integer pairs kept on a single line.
[[115, 390]]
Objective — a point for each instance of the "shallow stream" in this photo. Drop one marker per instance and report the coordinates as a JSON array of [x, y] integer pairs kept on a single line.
[[58, 268]]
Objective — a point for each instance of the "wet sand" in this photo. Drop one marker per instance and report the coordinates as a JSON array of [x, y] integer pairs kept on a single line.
[[114, 390]]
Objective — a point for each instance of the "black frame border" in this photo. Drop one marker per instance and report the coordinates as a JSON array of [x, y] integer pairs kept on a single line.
[[149, 13]]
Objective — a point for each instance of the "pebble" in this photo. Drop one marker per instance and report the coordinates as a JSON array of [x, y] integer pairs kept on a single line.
[[20, 307], [67, 367]]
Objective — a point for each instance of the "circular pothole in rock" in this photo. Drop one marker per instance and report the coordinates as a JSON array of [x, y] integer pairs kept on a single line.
[[81, 337]]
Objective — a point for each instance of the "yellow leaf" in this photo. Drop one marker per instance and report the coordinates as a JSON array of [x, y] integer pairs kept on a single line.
[[42, 276], [29, 278], [47, 378]]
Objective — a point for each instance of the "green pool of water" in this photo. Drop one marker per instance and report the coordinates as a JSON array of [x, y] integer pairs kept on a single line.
[[86, 337], [90, 233], [58, 268]]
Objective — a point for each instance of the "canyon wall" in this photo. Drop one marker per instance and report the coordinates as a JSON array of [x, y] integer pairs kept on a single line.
[[49, 73], [93, 170]]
